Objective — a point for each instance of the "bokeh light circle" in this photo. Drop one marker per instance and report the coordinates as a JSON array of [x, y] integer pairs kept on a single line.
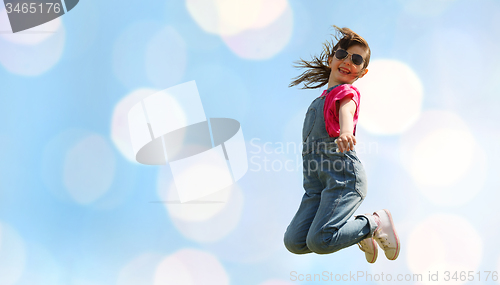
[[140, 270], [129, 51], [391, 97], [120, 134], [252, 29], [191, 266], [148, 53], [203, 209], [79, 166], [434, 245], [172, 271], [262, 43], [34, 51], [225, 18], [451, 163], [442, 156], [41, 267], [445, 82], [32, 36], [89, 169], [269, 12], [12, 255], [166, 58], [207, 219]]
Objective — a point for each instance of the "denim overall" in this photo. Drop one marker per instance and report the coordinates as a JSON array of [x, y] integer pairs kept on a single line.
[[335, 186]]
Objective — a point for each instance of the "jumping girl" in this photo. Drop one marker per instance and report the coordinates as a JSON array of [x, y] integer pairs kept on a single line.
[[334, 178]]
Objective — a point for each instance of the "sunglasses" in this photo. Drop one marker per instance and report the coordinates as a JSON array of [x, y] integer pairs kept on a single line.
[[341, 54]]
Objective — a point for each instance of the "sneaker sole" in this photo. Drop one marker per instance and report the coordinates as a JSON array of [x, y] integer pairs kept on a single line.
[[398, 243], [375, 252]]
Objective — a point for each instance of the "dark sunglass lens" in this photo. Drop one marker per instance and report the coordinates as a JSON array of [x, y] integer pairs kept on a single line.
[[357, 59], [340, 54]]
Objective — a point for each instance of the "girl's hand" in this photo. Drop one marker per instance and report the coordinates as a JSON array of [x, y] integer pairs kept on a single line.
[[346, 142]]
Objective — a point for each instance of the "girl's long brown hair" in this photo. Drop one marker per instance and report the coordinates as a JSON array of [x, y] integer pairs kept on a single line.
[[318, 71]]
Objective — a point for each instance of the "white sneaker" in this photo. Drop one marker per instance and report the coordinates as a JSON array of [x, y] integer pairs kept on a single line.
[[369, 247], [386, 235]]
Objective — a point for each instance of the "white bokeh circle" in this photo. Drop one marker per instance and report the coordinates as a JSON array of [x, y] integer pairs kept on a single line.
[[203, 209], [444, 159], [32, 52], [76, 155], [149, 53], [12, 255], [140, 270], [226, 18], [166, 58], [444, 242], [120, 134], [439, 158], [32, 36], [263, 42], [391, 97], [221, 17], [89, 169], [172, 271], [41, 267], [191, 267], [269, 12], [207, 219], [252, 29]]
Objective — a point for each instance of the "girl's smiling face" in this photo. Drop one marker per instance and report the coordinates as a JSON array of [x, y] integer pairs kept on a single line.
[[344, 71]]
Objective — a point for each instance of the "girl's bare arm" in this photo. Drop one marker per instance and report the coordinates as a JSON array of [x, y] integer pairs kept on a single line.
[[346, 140]]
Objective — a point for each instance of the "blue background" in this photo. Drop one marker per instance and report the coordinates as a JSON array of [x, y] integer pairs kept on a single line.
[[49, 237]]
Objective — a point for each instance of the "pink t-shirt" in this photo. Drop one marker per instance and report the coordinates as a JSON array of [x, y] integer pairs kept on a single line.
[[330, 110]]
